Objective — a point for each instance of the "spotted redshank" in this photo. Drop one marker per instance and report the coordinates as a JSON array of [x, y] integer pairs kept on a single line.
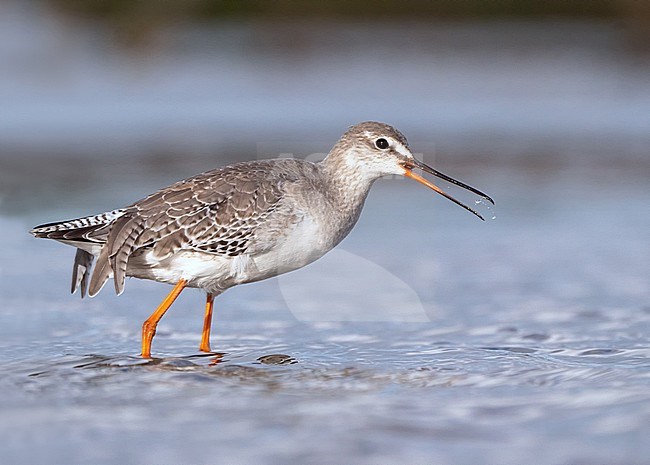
[[238, 224]]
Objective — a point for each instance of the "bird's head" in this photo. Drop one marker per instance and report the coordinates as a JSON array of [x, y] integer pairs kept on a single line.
[[373, 150]]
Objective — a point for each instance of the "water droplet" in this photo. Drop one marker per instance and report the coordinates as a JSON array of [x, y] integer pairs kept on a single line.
[[487, 206]]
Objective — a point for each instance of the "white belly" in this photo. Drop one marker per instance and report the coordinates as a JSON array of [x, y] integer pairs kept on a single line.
[[216, 273], [303, 245]]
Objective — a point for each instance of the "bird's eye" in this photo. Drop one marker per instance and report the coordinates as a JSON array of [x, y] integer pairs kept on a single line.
[[381, 143]]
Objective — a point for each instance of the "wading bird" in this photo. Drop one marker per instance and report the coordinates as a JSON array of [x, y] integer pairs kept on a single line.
[[238, 224]]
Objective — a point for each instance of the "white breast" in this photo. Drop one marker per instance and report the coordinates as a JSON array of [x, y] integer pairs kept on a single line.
[[304, 244], [216, 273]]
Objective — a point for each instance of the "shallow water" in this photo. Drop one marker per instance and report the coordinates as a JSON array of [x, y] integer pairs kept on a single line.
[[442, 340]]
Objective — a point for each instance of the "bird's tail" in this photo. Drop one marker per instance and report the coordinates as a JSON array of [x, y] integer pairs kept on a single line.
[[83, 262], [84, 229], [88, 234]]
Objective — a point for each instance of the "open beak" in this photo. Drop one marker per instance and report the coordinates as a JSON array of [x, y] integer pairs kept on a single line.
[[413, 163]]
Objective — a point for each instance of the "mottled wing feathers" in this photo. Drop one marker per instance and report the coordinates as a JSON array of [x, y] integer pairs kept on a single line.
[[216, 212], [121, 242]]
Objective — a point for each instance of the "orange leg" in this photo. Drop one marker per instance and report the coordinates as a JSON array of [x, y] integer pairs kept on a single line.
[[149, 326], [207, 324]]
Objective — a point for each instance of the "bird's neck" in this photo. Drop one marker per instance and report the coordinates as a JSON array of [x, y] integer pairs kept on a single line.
[[348, 183]]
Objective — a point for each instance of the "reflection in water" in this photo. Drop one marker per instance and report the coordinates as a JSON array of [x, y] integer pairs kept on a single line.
[[442, 366], [400, 382]]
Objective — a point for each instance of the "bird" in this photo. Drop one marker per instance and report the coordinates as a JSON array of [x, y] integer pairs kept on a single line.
[[240, 223]]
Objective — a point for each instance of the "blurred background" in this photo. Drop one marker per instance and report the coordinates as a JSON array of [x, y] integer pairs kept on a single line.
[[181, 86], [428, 336]]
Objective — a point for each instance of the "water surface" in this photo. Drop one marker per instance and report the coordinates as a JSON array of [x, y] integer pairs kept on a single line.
[[449, 340]]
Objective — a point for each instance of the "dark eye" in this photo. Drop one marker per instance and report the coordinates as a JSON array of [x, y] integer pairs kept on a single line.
[[381, 143]]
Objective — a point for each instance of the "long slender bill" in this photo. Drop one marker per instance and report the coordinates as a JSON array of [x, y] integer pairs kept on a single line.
[[427, 169]]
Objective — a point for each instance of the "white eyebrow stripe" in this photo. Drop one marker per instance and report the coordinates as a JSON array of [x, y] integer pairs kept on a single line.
[[401, 149], [395, 144]]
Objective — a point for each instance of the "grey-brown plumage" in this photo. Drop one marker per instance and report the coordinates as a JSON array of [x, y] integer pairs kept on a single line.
[[240, 223], [218, 212]]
